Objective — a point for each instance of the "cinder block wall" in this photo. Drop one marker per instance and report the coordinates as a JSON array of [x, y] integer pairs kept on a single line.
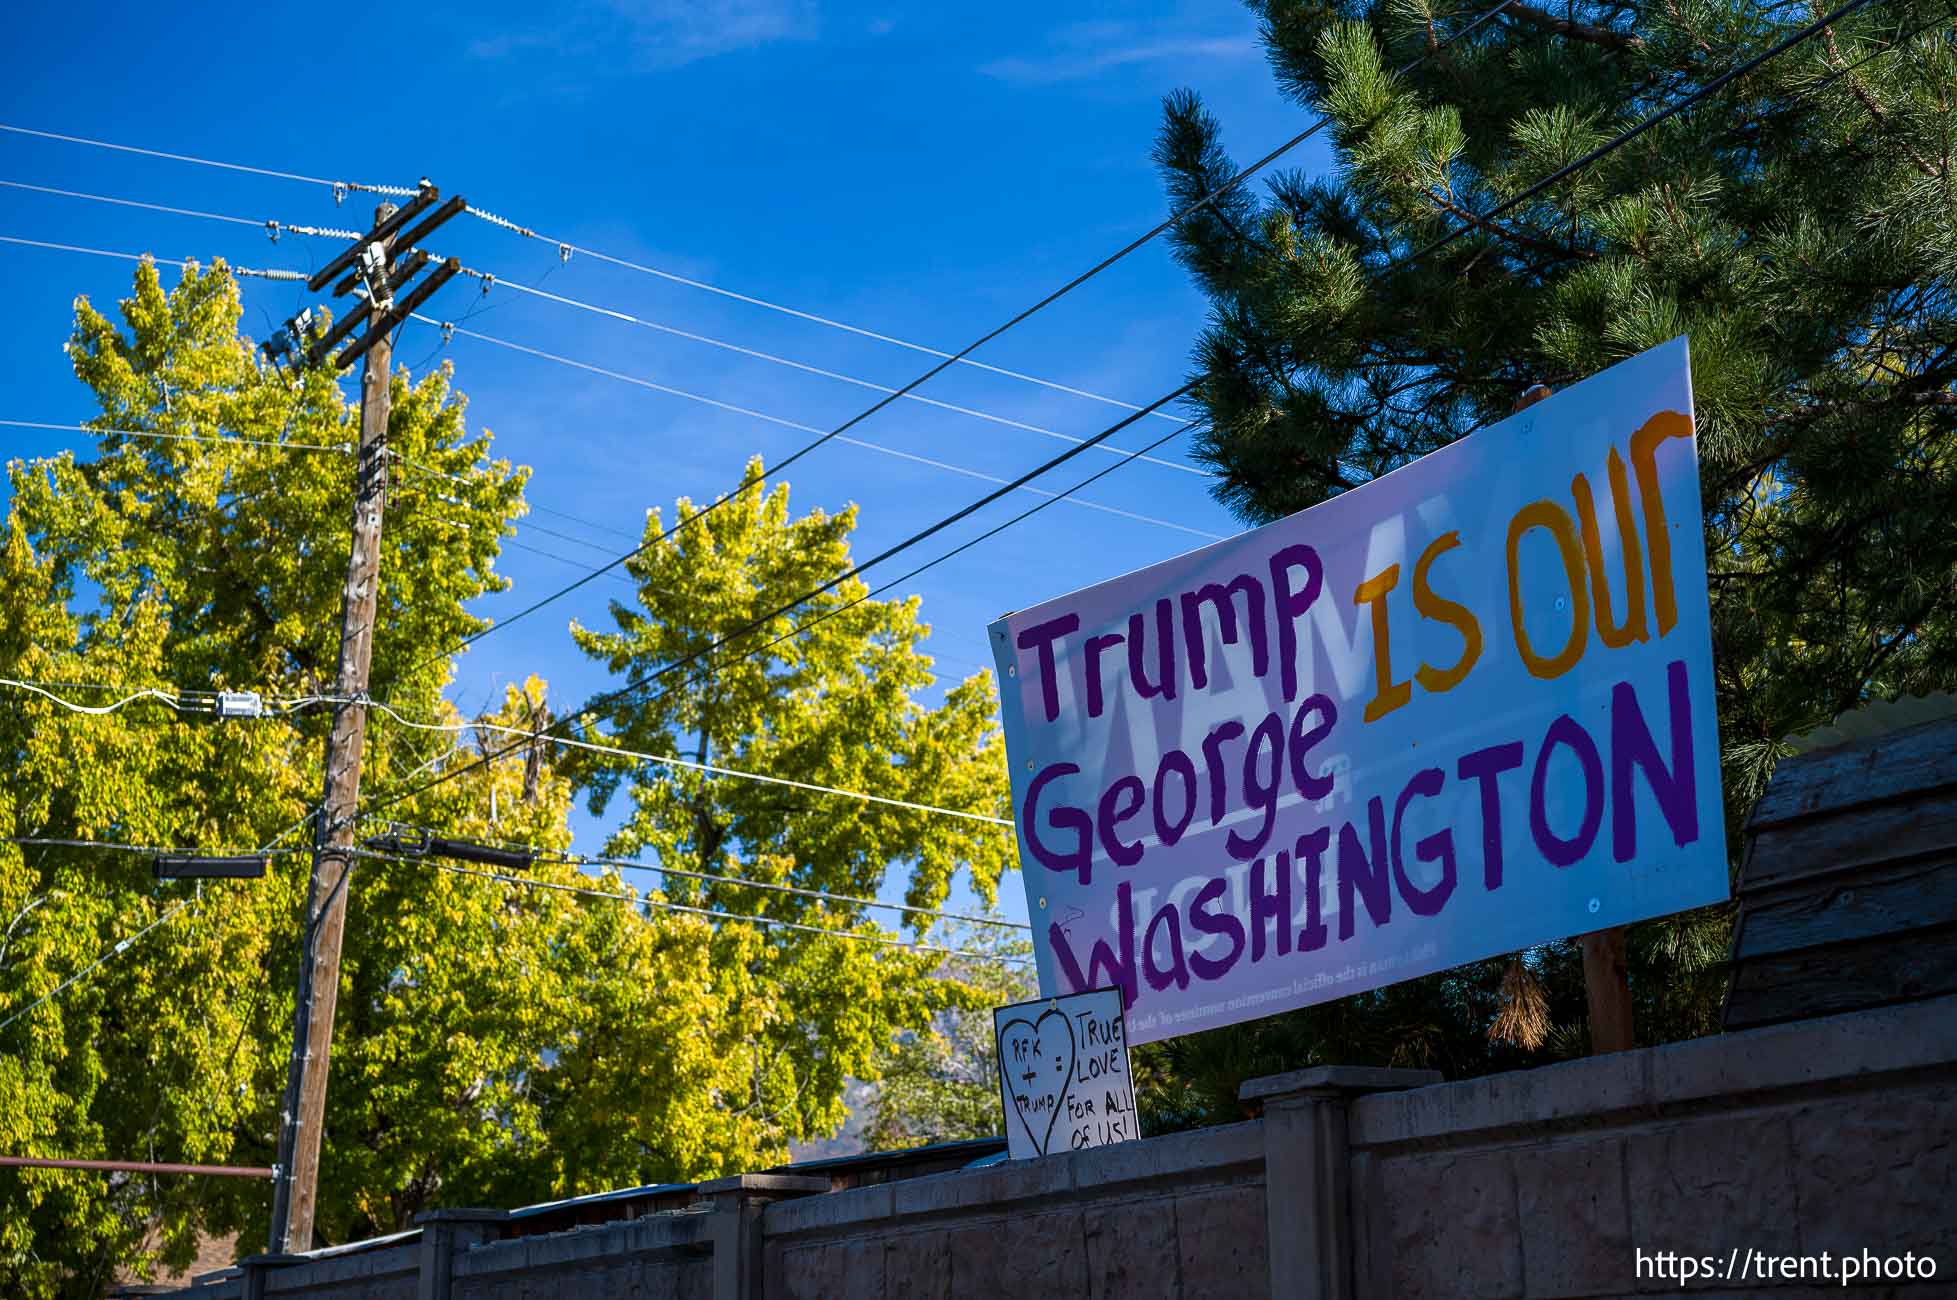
[[1178, 1217], [1837, 1134]]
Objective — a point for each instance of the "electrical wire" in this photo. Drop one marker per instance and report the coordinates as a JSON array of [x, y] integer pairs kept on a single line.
[[930, 530], [668, 760], [97, 710], [586, 860], [276, 706], [810, 317], [635, 899], [272, 228], [490, 281], [431, 472], [108, 955], [950, 359], [1623, 138], [397, 190], [179, 263], [496, 282], [339, 448], [800, 427], [344, 449], [720, 665]]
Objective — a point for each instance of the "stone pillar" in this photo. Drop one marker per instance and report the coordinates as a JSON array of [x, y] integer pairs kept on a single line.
[[737, 1205], [1307, 1173], [444, 1235]]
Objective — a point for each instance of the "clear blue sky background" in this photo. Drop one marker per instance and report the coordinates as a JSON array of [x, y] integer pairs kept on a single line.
[[922, 171]]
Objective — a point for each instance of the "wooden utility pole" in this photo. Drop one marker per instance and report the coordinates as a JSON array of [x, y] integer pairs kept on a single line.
[[296, 1177], [1606, 972]]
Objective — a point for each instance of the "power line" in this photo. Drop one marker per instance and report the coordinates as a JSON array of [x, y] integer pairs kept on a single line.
[[962, 547], [633, 898], [339, 448], [490, 281], [800, 427], [539, 509], [287, 705], [1617, 142], [586, 860], [274, 274], [172, 700], [336, 186], [1625, 137], [340, 187], [495, 282], [922, 534], [949, 359], [668, 760], [272, 228], [82, 974], [812, 317]]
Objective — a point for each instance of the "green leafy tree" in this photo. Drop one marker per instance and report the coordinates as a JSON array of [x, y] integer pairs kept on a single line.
[[837, 705], [171, 561], [940, 1083], [495, 1043], [1800, 226]]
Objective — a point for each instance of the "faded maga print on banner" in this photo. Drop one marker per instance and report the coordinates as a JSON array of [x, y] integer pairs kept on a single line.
[[1458, 711]]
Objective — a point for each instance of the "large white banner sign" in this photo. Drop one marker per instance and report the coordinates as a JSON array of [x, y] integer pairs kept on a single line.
[[1461, 710]]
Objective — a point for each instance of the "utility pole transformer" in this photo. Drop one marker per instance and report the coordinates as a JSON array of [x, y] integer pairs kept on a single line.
[[377, 275]]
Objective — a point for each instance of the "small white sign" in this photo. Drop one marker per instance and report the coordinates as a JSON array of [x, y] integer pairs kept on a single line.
[[1063, 1074]]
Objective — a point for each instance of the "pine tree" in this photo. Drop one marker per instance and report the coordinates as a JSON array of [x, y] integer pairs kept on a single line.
[[1800, 226]]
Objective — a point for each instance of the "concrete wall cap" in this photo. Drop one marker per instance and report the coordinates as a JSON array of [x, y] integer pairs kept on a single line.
[[462, 1214], [790, 1184], [1334, 1080], [1855, 1048]]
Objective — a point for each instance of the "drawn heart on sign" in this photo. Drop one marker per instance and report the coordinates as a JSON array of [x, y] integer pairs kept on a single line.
[[1037, 1079]]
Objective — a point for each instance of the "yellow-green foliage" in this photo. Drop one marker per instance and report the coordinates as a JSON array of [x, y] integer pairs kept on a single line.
[[494, 1044]]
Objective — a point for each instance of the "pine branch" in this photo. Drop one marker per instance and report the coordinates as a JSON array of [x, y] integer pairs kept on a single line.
[[1603, 36]]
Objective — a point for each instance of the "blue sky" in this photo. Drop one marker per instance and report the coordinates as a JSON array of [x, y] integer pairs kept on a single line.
[[921, 171]]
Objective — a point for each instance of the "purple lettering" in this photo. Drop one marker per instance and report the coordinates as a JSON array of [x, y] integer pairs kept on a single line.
[[1120, 967], [1559, 851], [1310, 850], [1042, 637], [1289, 606], [1080, 857], [1176, 973], [1370, 879], [1436, 847], [1213, 762], [1204, 921], [1164, 684], [1484, 766], [1631, 746], [1218, 597], [1178, 762], [1119, 802], [1273, 905], [1261, 791], [1309, 785], [1096, 702]]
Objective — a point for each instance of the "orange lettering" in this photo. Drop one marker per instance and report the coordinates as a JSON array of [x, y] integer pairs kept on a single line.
[[1442, 610], [1609, 631], [1388, 694], [1644, 459], [1556, 521]]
